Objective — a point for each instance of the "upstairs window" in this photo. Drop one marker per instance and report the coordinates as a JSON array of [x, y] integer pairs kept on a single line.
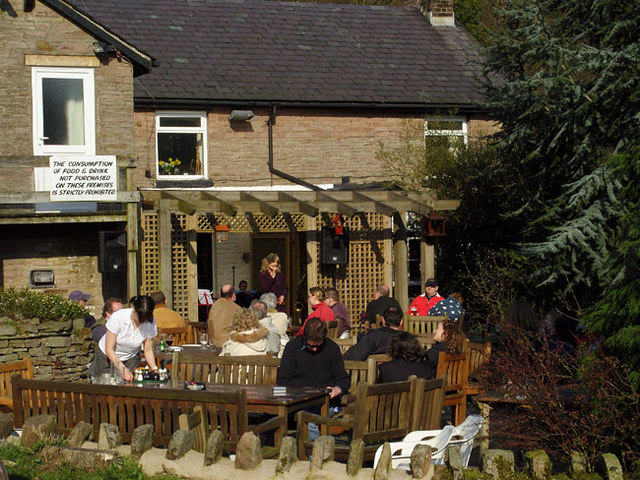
[[181, 145], [63, 111], [445, 132]]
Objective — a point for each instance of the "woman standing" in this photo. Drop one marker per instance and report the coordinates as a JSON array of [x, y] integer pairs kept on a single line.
[[272, 280], [127, 329]]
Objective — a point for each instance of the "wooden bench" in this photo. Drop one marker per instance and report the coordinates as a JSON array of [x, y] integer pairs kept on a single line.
[[204, 367], [420, 325], [479, 356], [128, 407], [456, 369], [345, 343], [381, 413], [24, 368], [427, 410]]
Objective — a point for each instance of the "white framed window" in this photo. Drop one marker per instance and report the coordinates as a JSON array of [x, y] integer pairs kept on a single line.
[[63, 111], [453, 130], [181, 145]]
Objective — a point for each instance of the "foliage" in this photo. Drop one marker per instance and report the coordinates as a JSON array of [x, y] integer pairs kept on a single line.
[[563, 81], [26, 465], [584, 403], [21, 304], [170, 167]]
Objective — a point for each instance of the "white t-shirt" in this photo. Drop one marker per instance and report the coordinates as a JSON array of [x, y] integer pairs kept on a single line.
[[128, 339]]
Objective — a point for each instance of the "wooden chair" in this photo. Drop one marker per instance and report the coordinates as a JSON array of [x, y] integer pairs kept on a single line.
[[204, 367], [479, 356], [345, 343], [24, 368], [360, 371], [419, 325], [381, 413], [379, 358], [180, 335], [427, 412], [196, 328], [332, 329], [195, 422], [456, 369]]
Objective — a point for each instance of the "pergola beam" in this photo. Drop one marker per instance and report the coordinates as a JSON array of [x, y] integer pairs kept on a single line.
[[248, 201]]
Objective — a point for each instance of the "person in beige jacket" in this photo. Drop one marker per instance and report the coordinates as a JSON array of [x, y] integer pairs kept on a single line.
[[247, 336], [221, 315]]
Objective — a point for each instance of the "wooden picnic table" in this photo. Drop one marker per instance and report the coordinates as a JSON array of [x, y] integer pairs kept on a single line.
[[261, 399]]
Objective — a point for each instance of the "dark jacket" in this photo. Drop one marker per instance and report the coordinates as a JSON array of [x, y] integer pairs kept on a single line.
[[301, 367], [378, 306], [398, 370], [376, 341], [430, 359]]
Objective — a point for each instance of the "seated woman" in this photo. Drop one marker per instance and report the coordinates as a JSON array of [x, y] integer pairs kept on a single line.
[[320, 309], [127, 329], [449, 338], [405, 352], [247, 336]]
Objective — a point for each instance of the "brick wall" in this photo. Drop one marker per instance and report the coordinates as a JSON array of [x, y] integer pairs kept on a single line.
[[71, 252], [319, 146], [44, 32]]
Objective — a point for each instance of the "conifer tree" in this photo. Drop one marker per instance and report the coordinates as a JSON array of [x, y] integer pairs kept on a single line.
[[563, 79]]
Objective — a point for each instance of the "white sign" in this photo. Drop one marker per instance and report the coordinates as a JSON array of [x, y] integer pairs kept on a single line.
[[83, 178]]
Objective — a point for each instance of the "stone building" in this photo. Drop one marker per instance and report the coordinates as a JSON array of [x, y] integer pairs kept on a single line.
[[256, 121]]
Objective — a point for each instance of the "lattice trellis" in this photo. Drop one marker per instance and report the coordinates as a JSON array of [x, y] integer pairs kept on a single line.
[[356, 281], [180, 260], [149, 253], [251, 223]]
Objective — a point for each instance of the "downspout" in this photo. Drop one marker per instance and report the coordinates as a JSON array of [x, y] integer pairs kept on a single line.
[[271, 122]]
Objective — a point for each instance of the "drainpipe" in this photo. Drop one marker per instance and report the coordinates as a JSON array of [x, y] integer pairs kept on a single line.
[[271, 122]]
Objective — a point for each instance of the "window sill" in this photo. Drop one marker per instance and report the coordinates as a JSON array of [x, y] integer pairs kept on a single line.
[[196, 183]]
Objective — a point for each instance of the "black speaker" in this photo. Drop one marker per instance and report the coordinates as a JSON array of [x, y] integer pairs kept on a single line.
[[113, 252], [335, 248]]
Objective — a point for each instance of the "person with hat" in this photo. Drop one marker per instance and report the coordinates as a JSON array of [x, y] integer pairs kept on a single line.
[[423, 303], [81, 298]]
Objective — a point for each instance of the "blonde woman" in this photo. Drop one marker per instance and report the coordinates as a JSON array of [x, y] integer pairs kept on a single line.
[[272, 280], [247, 336]]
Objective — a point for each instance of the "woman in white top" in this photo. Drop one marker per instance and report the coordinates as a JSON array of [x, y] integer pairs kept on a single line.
[[127, 329]]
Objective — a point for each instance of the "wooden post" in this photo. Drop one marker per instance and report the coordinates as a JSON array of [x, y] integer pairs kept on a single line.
[[312, 253], [192, 270], [427, 262], [400, 261], [165, 257], [133, 238]]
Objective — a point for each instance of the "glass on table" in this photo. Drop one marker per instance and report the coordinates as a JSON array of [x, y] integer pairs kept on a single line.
[[204, 340]]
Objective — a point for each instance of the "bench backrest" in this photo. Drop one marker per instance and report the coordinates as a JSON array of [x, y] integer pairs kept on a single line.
[[345, 343], [23, 367], [180, 335], [383, 411], [427, 408], [360, 371], [129, 407], [204, 367], [196, 328], [332, 329], [479, 356], [456, 369], [419, 325]]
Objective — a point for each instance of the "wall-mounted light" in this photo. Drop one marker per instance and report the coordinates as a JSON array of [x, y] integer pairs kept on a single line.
[[41, 278], [240, 115], [105, 51], [222, 233]]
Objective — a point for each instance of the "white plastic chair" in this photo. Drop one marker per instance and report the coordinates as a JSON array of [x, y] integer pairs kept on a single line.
[[401, 451], [465, 434]]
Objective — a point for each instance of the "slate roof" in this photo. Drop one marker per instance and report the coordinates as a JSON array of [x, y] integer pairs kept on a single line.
[[259, 51]]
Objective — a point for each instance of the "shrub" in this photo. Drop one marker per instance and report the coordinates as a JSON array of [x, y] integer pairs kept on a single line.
[[585, 403], [21, 304]]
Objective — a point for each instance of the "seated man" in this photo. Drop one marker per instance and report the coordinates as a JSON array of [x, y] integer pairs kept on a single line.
[[313, 360], [163, 315], [378, 340], [339, 310], [221, 315], [381, 301], [423, 303]]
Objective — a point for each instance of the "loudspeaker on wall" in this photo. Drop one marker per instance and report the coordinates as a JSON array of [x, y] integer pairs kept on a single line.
[[335, 248], [113, 252]]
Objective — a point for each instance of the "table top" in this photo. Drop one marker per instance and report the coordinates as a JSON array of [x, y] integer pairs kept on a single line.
[[191, 349], [258, 394]]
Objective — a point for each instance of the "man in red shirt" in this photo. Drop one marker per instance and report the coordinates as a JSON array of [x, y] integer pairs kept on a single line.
[[422, 303]]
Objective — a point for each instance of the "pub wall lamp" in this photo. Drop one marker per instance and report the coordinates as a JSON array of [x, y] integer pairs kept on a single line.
[[240, 115]]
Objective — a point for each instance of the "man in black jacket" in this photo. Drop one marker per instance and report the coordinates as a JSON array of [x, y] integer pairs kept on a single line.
[[313, 360], [378, 340], [381, 301]]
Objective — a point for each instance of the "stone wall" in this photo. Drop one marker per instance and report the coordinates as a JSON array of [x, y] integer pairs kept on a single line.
[[58, 350]]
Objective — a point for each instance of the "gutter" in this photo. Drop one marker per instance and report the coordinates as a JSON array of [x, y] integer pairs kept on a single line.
[[271, 122]]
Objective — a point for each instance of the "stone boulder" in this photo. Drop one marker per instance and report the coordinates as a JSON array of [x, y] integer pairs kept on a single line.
[[86, 459], [498, 463], [39, 427], [81, 432], [181, 442], [213, 449], [141, 440], [288, 454], [6, 425], [109, 437], [248, 452]]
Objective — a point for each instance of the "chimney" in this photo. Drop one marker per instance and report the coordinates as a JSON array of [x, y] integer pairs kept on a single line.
[[439, 12]]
